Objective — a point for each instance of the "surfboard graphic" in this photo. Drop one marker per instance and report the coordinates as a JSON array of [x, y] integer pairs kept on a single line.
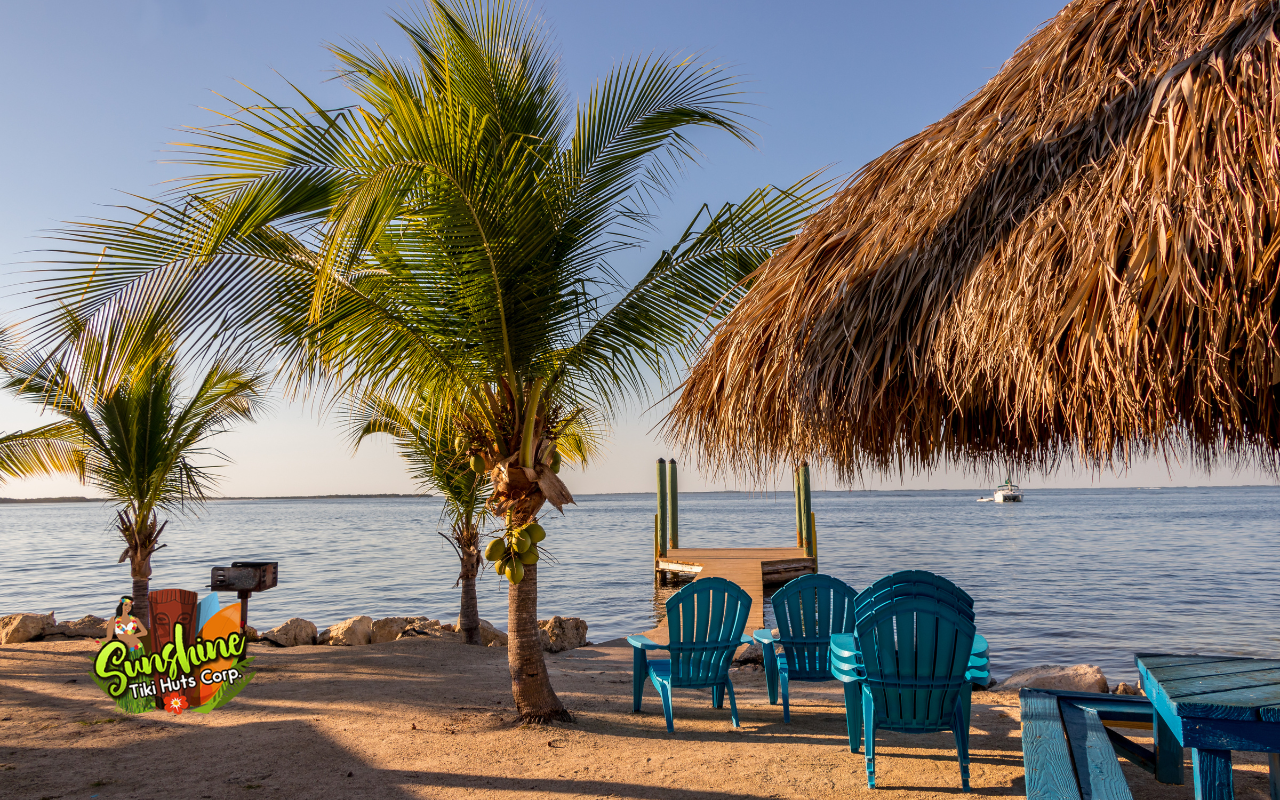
[[226, 621]]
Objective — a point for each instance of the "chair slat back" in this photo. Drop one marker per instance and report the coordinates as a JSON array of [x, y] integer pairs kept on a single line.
[[705, 621], [915, 630], [808, 610]]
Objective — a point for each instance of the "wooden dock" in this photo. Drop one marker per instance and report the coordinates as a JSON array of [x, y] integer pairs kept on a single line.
[[749, 567]]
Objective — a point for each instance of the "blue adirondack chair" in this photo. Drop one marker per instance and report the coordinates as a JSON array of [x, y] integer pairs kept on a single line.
[[945, 592], [705, 621], [808, 609], [910, 654]]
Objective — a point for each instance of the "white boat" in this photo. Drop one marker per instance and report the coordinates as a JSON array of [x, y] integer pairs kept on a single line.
[[1008, 492]]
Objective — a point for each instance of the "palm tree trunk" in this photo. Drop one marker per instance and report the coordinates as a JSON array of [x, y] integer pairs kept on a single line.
[[469, 612], [530, 684], [141, 573]]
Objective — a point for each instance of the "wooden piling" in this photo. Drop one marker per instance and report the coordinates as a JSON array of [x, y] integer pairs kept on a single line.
[[673, 506]]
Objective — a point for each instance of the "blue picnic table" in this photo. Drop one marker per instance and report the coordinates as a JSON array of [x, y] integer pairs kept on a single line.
[[1212, 704]]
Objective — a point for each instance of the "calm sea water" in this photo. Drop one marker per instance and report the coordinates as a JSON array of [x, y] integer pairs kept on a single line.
[[1068, 576]]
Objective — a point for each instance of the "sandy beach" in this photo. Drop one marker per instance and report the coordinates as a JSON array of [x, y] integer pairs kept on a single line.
[[429, 718]]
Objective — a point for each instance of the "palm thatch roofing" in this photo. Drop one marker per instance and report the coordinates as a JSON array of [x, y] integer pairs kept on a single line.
[[1080, 261]]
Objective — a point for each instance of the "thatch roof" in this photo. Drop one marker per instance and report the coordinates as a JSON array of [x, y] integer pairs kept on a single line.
[[1080, 260]]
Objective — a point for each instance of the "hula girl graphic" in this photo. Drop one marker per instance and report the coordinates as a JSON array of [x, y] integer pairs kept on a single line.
[[126, 627]]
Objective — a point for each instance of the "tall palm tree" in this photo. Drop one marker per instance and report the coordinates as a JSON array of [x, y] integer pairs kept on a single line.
[[134, 438], [447, 237]]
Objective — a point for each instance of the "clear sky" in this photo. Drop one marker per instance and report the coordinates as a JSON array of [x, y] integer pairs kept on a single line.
[[94, 92]]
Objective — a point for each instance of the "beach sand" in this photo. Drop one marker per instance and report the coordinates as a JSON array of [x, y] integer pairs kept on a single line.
[[428, 718]]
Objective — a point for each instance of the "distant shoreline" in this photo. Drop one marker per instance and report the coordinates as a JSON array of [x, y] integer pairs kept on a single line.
[[15, 500]]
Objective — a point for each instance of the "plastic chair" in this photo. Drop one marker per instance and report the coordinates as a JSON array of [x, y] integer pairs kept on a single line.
[[808, 609], [910, 655], [705, 621]]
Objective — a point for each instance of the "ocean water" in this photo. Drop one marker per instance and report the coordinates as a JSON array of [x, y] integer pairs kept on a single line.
[[1069, 576]]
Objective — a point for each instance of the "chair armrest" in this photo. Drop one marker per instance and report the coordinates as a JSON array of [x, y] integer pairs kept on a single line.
[[746, 639], [645, 643], [763, 636]]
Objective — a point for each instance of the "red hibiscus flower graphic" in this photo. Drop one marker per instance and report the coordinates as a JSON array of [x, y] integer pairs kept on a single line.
[[175, 702]]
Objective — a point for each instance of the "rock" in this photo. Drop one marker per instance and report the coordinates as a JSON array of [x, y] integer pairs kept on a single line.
[[496, 643], [488, 634], [388, 629], [751, 654], [323, 636], [251, 634], [352, 632], [1124, 688], [19, 628], [562, 633], [448, 627], [89, 627], [293, 633], [1079, 678]]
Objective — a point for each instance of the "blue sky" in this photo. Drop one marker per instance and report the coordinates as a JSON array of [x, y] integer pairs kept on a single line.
[[94, 92]]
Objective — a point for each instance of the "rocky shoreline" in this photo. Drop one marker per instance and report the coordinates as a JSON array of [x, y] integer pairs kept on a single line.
[[557, 634]]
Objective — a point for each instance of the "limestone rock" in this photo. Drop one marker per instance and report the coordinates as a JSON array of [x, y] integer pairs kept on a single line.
[[323, 636], [388, 629], [89, 627], [19, 628], [562, 633], [1078, 678], [352, 632], [293, 633], [1124, 688], [488, 634], [448, 627], [751, 654], [251, 634]]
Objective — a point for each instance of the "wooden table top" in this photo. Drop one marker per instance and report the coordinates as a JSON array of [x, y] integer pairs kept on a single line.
[[1216, 687]]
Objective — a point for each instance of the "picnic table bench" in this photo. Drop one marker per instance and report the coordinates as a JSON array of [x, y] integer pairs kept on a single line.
[[1069, 751]]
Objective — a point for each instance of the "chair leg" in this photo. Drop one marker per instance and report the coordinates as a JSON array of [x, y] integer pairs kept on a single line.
[[960, 724], [853, 714], [733, 704], [717, 697], [786, 696], [771, 674], [665, 693], [869, 734], [639, 671]]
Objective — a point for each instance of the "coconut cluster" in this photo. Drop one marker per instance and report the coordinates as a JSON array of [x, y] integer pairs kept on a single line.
[[512, 551]]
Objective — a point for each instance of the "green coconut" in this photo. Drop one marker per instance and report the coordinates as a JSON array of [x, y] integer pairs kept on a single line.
[[555, 461], [495, 550], [535, 532], [461, 443], [515, 572], [529, 556], [521, 542], [477, 464]]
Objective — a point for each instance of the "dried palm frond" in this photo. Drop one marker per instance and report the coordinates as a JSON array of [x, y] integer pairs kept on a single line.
[[1080, 262]]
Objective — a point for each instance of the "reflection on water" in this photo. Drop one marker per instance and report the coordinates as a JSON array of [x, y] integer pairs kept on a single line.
[[1067, 576]]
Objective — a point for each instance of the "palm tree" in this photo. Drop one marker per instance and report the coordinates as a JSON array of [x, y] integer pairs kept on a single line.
[[133, 438], [447, 237], [439, 461], [426, 445]]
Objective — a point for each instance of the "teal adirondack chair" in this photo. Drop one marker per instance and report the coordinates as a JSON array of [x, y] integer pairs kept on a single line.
[[910, 653], [808, 609], [705, 621]]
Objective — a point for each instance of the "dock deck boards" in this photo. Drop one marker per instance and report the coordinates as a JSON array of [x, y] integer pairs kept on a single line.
[[742, 565]]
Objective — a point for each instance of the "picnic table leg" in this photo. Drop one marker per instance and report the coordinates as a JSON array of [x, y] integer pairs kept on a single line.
[[1274, 759], [1168, 752], [1212, 769]]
